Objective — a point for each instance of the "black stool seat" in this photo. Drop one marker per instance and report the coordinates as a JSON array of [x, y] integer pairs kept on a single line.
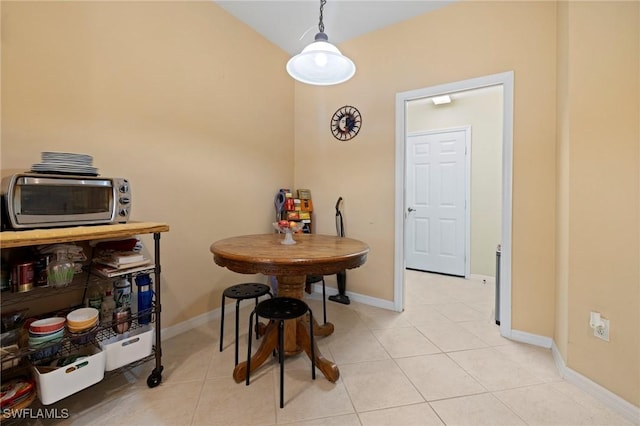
[[246, 291], [280, 309], [241, 292]]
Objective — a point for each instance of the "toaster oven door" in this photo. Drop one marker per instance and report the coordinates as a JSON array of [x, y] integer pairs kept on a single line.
[[39, 201]]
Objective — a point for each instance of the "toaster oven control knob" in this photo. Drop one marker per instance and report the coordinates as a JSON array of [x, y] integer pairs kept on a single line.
[[124, 200], [124, 187], [123, 212]]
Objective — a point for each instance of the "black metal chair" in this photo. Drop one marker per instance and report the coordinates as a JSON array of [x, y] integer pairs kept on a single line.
[[280, 309], [312, 279], [241, 292]]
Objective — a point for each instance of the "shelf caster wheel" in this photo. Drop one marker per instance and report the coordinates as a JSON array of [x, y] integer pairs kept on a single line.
[[154, 378]]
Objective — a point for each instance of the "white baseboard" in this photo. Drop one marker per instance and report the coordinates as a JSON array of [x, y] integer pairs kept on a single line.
[[532, 339], [356, 297], [610, 399], [184, 326]]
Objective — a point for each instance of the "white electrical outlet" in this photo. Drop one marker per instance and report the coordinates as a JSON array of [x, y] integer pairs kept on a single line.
[[602, 332]]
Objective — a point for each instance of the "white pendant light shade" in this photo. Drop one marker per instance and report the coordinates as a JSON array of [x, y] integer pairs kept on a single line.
[[321, 64]]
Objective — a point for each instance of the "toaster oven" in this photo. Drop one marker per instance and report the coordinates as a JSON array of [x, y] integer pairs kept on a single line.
[[34, 200]]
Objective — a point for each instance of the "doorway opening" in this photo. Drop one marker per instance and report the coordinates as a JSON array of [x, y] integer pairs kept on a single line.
[[404, 102]]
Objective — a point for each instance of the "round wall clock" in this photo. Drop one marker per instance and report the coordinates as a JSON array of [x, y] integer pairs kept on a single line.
[[346, 123]]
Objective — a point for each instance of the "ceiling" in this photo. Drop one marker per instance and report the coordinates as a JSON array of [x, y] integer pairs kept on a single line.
[[292, 24]]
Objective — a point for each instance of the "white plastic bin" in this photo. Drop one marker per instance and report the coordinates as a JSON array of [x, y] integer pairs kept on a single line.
[[128, 347], [64, 381]]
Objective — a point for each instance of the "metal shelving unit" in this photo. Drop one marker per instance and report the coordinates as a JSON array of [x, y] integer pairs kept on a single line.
[[71, 342]]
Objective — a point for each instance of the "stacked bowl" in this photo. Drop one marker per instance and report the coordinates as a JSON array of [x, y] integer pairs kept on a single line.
[[44, 332], [81, 323], [82, 319]]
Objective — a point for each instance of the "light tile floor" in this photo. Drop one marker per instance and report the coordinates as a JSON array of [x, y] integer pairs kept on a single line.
[[442, 361]]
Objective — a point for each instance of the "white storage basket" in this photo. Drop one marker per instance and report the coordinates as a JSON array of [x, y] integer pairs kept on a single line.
[[128, 347], [64, 381]]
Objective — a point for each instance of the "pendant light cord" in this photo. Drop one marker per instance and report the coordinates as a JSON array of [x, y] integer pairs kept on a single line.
[[321, 24]]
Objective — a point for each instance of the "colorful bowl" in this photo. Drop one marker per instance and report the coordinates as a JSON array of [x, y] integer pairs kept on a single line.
[[42, 334], [82, 318], [49, 335], [47, 325], [83, 328], [35, 340]]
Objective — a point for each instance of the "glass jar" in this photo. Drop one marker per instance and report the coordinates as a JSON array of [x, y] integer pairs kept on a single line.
[[60, 271]]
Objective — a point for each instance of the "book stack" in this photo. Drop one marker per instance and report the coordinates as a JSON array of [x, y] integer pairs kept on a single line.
[[113, 263]]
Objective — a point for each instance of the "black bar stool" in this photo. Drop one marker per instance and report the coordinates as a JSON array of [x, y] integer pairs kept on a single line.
[[312, 279], [281, 309], [241, 292]]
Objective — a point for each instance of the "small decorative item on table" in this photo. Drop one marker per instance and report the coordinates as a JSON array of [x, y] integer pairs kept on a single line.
[[288, 228]]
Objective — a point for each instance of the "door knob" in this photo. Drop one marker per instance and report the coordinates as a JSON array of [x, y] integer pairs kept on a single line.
[[410, 210]]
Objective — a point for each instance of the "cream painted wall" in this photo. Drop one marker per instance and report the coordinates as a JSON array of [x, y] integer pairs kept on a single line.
[[482, 110], [160, 93], [599, 168], [163, 93], [456, 42]]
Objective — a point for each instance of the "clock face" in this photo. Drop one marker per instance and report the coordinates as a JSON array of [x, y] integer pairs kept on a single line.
[[346, 123]]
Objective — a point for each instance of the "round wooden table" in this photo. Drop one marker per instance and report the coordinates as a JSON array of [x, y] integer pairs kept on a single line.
[[313, 254]]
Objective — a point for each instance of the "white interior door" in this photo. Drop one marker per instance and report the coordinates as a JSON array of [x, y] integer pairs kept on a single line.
[[436, 217]]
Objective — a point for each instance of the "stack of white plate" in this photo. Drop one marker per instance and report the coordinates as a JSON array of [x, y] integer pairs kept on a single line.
[[65, 162]]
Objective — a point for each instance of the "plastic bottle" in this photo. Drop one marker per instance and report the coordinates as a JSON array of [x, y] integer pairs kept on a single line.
[[122, 293], [108, 305], [94, 297], [144, 298]]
